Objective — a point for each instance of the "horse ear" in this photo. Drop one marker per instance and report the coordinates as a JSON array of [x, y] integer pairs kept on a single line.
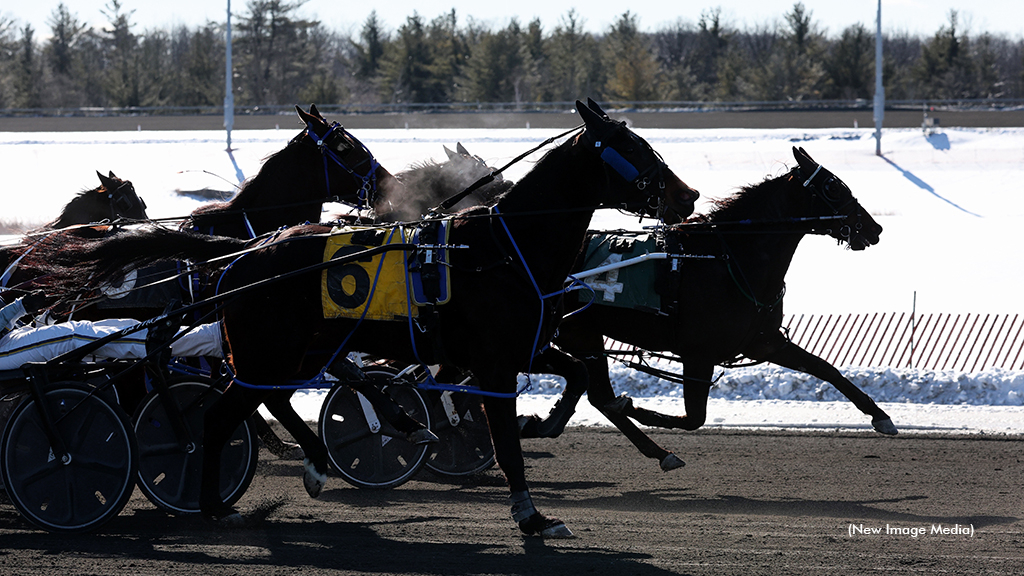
[[315, 112], [449, 152], [593, 106], [461, 149], [110, 174], [803, 158], [590, 118], [306, 118], [106, 182]]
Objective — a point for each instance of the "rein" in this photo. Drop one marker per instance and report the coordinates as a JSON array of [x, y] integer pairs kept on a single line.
[[453, 200]]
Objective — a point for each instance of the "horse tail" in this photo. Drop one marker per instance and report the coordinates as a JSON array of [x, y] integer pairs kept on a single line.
[[71, 260]]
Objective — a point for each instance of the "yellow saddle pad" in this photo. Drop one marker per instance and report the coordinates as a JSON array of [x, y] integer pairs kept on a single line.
[[375, 285]]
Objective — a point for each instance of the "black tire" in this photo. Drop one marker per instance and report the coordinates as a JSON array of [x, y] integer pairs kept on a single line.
[[366, 459], [94, 484], [170, 471], [464, 449]]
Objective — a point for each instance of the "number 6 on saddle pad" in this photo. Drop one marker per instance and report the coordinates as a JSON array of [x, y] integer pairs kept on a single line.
[[390, 285]]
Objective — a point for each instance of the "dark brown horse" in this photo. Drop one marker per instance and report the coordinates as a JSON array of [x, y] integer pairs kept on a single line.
[[713, 310], [506, 286], [323, 163], [114, 200]]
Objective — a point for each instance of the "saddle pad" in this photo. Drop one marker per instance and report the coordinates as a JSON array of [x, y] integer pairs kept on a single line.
[[428, 268], [376, 286], [626, 287]]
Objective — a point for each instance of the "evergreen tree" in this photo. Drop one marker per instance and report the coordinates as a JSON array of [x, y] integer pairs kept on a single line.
[[8, 52], [200, 57], [629, 62], [573, 62], [274, 50], [851, 64], [28, 86], [405, 70], [449, 53], [123, 77], [501, 68], [370, 49]]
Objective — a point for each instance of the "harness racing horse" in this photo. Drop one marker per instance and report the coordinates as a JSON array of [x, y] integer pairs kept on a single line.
[[114, 200], [323, 163], [716, 309], [506, 283]]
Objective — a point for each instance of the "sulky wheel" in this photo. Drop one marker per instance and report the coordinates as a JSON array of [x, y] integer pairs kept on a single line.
[[366, 457], [88, 486], [170, 466], [464, 442]]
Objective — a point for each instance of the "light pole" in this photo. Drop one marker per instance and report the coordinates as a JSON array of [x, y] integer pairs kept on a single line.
[[879, 88], [229, 96]]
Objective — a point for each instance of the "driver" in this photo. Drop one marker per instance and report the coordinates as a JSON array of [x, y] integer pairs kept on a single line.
[[20, 345]]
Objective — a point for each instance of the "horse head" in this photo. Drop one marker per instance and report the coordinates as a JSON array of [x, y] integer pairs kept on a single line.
[[832, 197], [341, 150], [124, 201], [113, 199], [467, 168], [656, 190]]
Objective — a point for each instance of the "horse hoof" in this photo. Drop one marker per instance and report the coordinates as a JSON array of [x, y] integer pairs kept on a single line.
[[559, 530], [528, 426], [285, 450], [671, 462], [225, 518], [422, 436], [885, 426], [312, 480], [540, 525], [620, 405]]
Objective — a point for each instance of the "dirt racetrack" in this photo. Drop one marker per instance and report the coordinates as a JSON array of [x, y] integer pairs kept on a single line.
[[747, 503], [800, 119]]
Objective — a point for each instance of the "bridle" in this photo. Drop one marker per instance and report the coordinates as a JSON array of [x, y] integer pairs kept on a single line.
[[641, 178], [827, 188], [122, 200], [328, 145]]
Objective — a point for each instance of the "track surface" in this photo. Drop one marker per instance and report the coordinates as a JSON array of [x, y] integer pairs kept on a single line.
[[746, 503], [805, 119]]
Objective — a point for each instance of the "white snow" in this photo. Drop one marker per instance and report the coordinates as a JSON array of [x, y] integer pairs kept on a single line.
[[950, 203]]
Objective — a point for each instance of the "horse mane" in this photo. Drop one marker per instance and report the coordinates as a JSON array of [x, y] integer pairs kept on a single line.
[[69, 256], [211, 212], [65, 212], [750, 200]]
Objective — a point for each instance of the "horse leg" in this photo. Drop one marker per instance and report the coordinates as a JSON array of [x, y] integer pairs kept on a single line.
[[617, 411], [315, 462], [553, 361], [501, 419], [796, 358], [414, 430], [223, 416], [271, 441], [696, 388]]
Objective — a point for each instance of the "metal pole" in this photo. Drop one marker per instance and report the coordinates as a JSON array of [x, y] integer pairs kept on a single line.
[[229, 95], [879, 88]]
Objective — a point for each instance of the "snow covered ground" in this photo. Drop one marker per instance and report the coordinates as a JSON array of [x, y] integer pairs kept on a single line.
[[951, 205]]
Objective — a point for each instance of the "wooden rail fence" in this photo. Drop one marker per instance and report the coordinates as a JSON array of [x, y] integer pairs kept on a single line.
[[963, 342]]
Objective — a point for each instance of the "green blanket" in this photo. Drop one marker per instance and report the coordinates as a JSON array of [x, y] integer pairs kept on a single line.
[[629, 287]]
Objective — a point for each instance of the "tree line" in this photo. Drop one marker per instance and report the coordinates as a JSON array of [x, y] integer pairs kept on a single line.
[[282, 58]]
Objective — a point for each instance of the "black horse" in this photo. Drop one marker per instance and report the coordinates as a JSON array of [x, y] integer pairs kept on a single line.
[[323, 163], [712, 310], [114, 200], [506, 286]]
